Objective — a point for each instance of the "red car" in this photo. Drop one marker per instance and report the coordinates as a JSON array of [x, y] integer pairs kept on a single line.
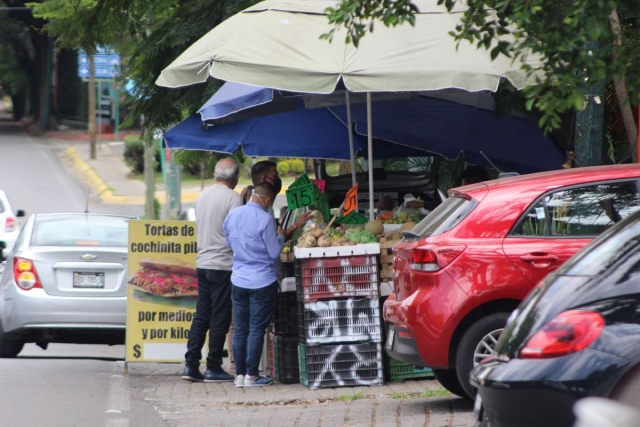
[[461, 271]]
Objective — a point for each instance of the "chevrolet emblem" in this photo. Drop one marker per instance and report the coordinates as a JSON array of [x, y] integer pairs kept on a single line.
[[88, 257]]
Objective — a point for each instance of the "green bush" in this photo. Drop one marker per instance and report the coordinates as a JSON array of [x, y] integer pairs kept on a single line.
[[283, 168], [134, 154], [296, 166]]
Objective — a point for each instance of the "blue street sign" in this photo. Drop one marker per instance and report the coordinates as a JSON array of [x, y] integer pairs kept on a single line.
[[106, 63]]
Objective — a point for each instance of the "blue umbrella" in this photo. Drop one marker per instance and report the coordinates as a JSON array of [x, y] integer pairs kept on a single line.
[[316, 133], [449, 128], [234, 101], [425, 123]]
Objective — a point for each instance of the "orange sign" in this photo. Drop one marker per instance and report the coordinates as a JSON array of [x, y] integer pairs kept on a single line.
[[351, 201]]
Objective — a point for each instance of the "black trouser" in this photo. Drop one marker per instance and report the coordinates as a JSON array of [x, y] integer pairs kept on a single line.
[[213, 313]]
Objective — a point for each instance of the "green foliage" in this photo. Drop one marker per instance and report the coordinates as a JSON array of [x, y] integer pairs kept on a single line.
[[134, 154], [194, 160], [157, 207], [358, 16], [150, 34], [283, 168], [16, 58], [574, 37], [295, 166]]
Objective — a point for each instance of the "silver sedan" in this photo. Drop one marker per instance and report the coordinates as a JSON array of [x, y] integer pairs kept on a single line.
[[65, 281]]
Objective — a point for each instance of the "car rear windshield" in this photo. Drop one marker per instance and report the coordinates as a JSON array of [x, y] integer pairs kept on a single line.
[[80, 230], [443, 218]]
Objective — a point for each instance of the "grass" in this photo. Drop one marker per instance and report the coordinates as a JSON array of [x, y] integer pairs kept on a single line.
[[440, 392], [350, 397]]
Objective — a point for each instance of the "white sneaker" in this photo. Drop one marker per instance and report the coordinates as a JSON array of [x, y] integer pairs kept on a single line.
[[259, 381], [239, 381]]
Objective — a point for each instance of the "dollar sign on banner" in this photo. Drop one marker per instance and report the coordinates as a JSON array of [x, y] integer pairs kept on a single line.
[[136, 351]]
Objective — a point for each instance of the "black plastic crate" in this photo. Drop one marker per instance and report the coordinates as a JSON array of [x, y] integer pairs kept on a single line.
[[341, 365], [287, 269], [339, 321], [286, 359], [285, 320]]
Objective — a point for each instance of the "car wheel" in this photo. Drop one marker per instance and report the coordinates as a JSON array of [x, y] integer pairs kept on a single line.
[[449, 380], [9, 349], [478, 343]]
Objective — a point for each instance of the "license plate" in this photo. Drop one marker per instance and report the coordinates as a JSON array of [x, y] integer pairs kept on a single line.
[[88, 280], [477, 408], [392, 332]]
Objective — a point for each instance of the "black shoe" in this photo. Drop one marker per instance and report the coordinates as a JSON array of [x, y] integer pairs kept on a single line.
[[217, 376], [192, 374]]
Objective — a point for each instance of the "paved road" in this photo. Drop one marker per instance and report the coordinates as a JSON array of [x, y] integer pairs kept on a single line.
[[72, 381]]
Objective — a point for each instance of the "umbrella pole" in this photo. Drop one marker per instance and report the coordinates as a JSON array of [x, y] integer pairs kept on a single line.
[[351, 151], [370, 158]]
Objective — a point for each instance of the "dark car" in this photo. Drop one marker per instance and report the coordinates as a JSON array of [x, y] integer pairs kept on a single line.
[[576, 334]]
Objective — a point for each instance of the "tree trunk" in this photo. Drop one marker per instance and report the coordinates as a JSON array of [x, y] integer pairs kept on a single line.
[[621, 90]]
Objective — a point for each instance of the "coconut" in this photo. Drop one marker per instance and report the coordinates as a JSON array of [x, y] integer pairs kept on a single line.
[[375, 227]]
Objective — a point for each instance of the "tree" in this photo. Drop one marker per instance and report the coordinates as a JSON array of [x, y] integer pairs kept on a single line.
[[25, 47], [152, 33], [581, 42]]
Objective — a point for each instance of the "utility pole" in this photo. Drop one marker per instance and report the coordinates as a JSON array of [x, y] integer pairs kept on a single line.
[[589, 128], [590, 123], [150, 180], [92, 107]]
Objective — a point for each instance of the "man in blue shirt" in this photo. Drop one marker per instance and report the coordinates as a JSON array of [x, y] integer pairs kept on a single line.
[[256, 244]]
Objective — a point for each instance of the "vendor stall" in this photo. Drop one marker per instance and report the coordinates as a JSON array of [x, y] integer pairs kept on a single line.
[[330, 309]]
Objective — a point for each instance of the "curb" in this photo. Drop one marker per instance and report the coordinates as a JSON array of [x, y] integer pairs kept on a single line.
[[107, 195]]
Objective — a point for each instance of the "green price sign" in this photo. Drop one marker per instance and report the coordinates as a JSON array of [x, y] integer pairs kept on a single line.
[[303, 192], [300, 196], [354, 218], [301, 182]]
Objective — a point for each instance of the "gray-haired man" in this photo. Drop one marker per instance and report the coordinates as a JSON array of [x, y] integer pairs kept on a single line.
[[213, 264]]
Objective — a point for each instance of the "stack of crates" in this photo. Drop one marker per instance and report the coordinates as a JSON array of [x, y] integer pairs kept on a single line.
[[340, 330], [283, 342]]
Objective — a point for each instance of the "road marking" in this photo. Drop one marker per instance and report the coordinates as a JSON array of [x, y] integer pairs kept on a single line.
[[118, 404]]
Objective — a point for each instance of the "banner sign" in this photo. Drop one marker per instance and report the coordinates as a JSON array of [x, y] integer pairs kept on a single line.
[[354, 218], [351, 200], [162, 290]]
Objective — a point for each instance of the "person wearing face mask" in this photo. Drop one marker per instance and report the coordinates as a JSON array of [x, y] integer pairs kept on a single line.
[[266, 171], [251, 234]]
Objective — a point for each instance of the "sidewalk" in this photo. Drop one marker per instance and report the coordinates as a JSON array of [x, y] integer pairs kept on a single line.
[[111, 178], [181, 403]]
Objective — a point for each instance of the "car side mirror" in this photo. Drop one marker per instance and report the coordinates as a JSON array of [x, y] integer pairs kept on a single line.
[[3, 246], [20, 213]]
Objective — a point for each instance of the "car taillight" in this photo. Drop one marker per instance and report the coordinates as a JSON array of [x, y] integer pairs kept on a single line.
[[566, 333], [25, 275], [10, 224], [431, 258]]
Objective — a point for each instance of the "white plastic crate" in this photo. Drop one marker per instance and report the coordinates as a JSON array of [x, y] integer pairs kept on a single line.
[[338, 251]]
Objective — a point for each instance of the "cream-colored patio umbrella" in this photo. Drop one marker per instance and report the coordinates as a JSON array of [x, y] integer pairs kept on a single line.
[[276, 44]]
